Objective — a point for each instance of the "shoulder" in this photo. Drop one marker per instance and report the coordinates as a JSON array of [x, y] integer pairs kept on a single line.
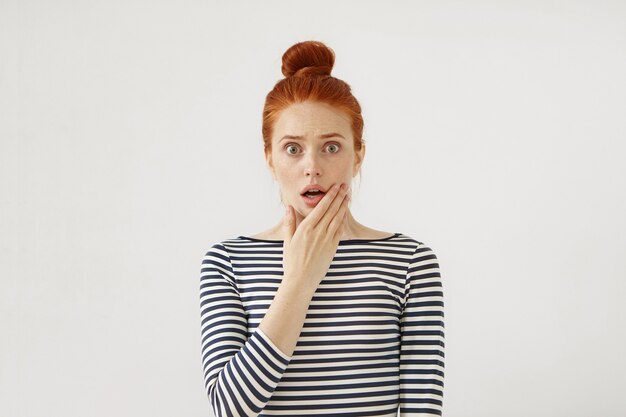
[[421, 253], [216, 263], [423, 268], [422, 274], [222, 248], [409, 241], [418, 245], [218, 254], [217, 250]]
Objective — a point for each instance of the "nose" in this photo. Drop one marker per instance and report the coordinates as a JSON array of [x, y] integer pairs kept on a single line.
[[312, 167]]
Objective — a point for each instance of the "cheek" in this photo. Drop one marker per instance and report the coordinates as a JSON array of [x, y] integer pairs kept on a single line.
[[284, 164]]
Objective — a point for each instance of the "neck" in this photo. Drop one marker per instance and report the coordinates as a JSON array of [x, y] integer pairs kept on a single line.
[[351, 229]]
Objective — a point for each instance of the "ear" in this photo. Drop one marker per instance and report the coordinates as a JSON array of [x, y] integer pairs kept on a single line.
[[358, 160]]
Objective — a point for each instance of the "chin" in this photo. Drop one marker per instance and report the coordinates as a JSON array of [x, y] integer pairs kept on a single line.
[[304, 210]]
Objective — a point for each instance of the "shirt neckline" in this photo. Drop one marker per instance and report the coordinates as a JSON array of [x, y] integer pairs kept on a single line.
[[343, 240]]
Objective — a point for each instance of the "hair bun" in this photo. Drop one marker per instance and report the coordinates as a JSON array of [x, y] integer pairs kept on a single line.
[[308, 58]]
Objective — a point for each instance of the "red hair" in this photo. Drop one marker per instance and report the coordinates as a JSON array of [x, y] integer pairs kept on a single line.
[[307, 66]]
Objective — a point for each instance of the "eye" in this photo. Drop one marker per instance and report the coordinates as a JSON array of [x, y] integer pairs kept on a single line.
[[294, 146], [336, 146]]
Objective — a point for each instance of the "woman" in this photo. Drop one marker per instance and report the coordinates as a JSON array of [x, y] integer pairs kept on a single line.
[[320, 315]]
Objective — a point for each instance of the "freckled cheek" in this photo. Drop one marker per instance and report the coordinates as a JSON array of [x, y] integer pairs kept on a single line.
[[286, 170], [288, 178]]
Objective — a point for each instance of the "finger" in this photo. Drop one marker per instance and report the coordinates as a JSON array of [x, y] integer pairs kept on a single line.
[[339, 222], [335, 205], [320, 209], [289, 224]]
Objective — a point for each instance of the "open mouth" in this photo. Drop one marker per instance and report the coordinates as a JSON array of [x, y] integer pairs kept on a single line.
[[313, 194], [312, 199]]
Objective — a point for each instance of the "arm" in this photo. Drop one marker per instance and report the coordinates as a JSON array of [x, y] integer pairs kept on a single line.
[[422, 337], [285, 317], [240, 373]]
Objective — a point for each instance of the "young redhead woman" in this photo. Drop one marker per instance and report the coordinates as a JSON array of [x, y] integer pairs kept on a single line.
[[320, 315], [312, 145]]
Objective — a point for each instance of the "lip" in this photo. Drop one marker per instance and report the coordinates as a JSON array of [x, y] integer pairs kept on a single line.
[[312, 187], [312, 201]]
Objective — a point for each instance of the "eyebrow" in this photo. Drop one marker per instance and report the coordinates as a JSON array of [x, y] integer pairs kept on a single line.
[[324, 136]]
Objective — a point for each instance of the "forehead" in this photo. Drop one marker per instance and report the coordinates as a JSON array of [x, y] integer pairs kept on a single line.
[[310, 119]]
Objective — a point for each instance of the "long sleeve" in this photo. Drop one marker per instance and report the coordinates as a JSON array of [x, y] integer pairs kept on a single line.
[[240, 373], [422, 337]]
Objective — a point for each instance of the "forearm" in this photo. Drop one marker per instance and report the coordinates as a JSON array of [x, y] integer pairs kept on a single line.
[[284, 319]]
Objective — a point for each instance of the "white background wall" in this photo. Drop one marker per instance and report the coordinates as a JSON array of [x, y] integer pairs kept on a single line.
[[130, 143]]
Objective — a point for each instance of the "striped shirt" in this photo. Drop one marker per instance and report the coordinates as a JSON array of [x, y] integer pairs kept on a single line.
[[372, 343]]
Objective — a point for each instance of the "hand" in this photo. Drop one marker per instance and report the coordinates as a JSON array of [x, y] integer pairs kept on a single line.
[[309, 249]]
